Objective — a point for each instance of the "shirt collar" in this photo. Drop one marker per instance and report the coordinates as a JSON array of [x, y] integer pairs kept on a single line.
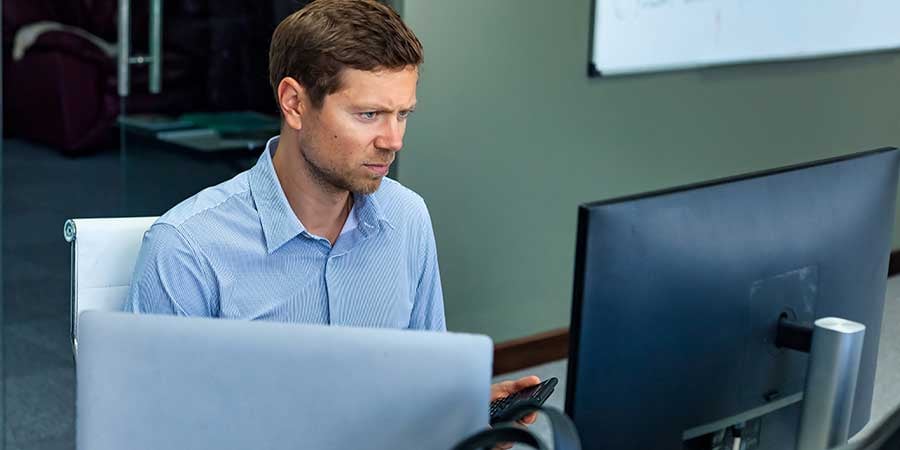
[[369, 215], [279, 223]]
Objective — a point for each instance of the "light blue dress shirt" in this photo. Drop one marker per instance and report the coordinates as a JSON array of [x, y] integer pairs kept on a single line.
[[236, 250]]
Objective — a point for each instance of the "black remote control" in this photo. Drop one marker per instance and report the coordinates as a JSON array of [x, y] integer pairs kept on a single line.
[[534, 395]]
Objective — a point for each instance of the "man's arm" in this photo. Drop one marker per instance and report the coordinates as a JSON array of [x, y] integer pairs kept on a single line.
[[428, 308], [170, 277]]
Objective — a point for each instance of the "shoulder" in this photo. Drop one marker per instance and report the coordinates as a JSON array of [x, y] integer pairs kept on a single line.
[[233, 194]]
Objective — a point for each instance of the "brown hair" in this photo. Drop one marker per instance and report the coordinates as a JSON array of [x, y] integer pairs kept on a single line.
[[314, 44]]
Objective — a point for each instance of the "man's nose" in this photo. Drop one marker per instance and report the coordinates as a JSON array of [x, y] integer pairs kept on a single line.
[[391, 137]]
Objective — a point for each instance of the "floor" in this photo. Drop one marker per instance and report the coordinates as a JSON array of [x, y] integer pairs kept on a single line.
[[41, 189]]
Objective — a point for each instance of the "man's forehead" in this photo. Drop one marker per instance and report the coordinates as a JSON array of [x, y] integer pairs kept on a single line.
[[384, 87]]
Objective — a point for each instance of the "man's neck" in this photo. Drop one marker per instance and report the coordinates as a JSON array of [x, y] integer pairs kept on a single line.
[[322, 211]]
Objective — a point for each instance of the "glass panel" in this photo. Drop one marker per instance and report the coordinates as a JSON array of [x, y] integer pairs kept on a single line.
[[72, 147], [65, 156], [214, 113]]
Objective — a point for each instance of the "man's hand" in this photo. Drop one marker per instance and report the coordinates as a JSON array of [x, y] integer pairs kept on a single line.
[[507, 388]]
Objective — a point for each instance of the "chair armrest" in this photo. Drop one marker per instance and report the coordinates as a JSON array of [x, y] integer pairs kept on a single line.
[[104, 252]]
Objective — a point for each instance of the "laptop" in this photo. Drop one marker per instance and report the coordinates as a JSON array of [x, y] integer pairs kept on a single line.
[[159, 382]]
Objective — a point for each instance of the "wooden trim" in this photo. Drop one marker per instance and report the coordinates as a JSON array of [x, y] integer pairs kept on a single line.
[[553, 345], [528, 351]]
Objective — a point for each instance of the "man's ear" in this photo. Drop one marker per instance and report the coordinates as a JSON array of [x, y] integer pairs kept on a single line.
[[293, 101]]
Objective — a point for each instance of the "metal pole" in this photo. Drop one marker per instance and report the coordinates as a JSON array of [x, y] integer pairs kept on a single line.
[[834, 359], [156, 19], [124, 45]]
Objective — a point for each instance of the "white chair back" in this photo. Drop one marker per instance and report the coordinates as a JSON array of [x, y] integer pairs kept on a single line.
[[104, 252]]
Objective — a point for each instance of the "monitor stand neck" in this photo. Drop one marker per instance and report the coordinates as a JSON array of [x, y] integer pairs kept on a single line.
[[835, 351]]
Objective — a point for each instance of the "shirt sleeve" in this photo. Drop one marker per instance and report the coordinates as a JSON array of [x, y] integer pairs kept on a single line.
[[170, 277], [428, 308]]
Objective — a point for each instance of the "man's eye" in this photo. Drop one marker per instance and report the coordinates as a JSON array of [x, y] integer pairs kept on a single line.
[[369, 115], [405, 114]]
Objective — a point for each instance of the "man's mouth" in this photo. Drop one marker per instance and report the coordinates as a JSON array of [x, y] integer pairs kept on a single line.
[[378, 169]]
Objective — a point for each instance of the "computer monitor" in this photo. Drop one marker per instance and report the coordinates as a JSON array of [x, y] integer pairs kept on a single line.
[[678, 295]]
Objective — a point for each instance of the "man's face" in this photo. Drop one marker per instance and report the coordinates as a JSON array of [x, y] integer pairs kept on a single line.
[[350, 142]]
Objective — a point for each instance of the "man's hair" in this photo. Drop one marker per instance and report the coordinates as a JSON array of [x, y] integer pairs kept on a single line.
[[315, 44]]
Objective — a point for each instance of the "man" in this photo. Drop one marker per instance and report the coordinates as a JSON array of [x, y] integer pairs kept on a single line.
[[314, 232]]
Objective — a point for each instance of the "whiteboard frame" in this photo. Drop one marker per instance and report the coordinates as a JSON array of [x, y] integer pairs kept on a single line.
[[594, 72]]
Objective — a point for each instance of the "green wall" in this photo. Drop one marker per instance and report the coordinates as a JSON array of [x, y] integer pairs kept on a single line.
[[511, 136]]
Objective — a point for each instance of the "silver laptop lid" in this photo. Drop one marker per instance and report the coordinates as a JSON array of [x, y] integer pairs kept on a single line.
[[162, 382]]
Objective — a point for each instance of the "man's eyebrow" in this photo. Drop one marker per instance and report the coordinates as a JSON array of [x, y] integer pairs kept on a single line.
[[382, 108]]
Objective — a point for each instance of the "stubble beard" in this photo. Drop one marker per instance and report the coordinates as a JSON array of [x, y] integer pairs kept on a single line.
[[334, 180]]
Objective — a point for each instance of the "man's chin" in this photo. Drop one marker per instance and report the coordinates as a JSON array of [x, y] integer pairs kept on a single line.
[[367, 187]]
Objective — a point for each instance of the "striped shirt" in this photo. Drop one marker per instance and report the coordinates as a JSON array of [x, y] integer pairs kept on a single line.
[[237, 250]]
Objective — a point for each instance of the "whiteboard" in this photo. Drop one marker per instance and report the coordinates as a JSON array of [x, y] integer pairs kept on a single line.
[[631, 36]]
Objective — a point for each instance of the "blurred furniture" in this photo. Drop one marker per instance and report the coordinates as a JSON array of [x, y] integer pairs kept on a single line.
[[104, 252], [56, 89], [66, 84]]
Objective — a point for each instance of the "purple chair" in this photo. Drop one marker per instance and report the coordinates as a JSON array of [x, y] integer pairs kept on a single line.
[[62, 90]]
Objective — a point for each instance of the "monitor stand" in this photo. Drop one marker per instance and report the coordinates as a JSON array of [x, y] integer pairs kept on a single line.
[[835, 350]]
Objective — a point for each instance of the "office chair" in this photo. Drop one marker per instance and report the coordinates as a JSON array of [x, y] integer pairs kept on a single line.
[[104, 252], [565, 436]]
